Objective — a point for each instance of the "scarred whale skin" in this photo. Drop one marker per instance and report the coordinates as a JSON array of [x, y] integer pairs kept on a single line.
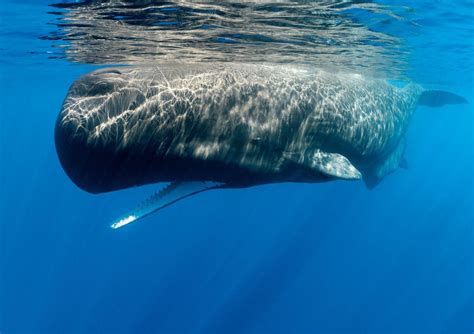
[[237, 124]]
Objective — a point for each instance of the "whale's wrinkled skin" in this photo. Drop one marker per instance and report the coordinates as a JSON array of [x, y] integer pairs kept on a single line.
[[235, 125]]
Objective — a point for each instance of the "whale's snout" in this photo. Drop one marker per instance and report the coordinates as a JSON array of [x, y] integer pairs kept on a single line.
[[90, 131], [85, 165]]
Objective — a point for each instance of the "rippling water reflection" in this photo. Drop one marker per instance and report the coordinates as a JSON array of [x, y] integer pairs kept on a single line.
[[340, 35]]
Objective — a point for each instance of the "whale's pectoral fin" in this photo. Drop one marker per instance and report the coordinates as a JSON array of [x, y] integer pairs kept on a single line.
[[336, 165], [333, 165], [439, 98], [170, 194]]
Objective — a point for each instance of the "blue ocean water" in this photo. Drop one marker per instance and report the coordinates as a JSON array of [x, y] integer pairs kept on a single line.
[[284, 258]]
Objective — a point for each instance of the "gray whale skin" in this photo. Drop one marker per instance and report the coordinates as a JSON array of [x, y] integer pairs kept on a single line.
[[229, 126]]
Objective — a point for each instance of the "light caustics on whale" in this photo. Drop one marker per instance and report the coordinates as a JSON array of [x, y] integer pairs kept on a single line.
[[231, 125]]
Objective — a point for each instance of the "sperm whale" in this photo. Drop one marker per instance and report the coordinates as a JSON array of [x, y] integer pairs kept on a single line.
[[230, 125]]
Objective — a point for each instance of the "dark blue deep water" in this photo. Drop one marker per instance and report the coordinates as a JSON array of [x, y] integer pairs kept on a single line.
[[284, 258]]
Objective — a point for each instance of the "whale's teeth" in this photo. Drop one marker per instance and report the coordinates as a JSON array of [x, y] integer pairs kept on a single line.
[[124, 221], [170, 194]]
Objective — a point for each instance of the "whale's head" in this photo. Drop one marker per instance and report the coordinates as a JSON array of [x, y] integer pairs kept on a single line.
[[90, 133]]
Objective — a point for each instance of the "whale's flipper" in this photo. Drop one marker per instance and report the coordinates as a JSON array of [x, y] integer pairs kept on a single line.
[[170, 194], [333, 165], [439, 98]]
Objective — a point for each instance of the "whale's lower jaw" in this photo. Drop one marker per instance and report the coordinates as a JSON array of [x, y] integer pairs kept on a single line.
[[170, 194]]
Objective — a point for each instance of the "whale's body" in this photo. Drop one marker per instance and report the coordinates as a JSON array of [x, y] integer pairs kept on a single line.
[[233, 125]]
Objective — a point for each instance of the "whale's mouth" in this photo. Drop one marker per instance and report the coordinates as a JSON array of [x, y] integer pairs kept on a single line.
[[172, 193]]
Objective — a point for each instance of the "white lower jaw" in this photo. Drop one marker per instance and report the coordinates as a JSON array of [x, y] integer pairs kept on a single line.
[[170, 194]]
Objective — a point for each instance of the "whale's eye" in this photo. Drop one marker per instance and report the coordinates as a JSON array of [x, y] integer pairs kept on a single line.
[[133, 105]]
